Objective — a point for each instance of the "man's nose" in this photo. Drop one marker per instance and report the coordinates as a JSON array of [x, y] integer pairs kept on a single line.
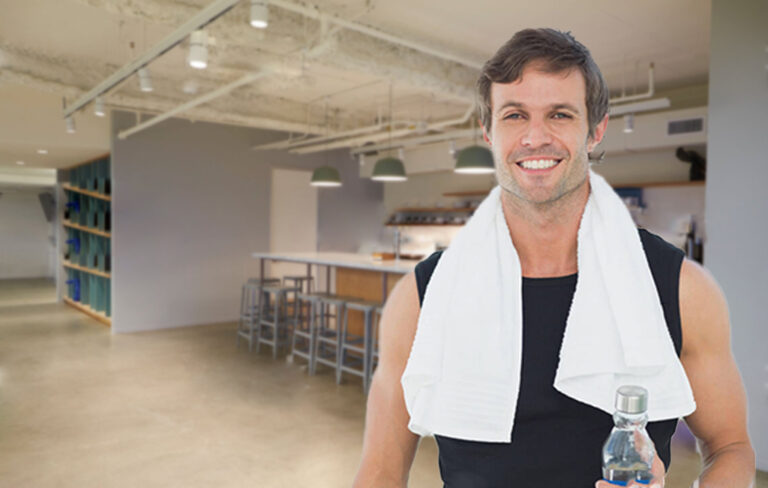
[[536, 134]]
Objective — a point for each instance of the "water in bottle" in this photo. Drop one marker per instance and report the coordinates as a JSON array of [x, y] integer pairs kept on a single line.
[[628, 452]]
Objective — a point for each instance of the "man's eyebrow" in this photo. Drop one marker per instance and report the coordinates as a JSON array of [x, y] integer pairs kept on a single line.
[[556, 106], [510, 103], [566, 106]]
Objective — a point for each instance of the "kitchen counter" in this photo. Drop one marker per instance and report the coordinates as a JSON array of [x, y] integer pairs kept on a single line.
[[342, 260]]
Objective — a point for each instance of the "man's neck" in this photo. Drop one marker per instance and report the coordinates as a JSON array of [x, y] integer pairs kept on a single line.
[[545, 236]]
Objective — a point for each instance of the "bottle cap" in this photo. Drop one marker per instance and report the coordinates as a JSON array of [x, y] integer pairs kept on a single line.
[[631, 399]]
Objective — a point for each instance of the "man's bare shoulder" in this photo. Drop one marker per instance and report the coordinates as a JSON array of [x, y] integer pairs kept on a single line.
[[399, 320], [703, 310]]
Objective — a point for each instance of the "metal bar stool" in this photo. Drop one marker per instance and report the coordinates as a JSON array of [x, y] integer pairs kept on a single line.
[[363, 345], [375, 338], [249, 309], [305, 329], [327, 337], [298, 282], [274, 323]]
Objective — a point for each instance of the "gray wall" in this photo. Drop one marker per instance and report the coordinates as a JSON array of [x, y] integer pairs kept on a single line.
[[26, 243], [737, 201], [190, 205]]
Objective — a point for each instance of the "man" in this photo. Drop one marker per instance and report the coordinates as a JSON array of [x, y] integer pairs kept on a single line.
[[543, 99]]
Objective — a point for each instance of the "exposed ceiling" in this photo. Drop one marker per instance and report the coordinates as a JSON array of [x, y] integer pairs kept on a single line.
[[62, 48]]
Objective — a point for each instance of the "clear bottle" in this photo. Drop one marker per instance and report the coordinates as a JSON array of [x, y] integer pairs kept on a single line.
[[628, 452]]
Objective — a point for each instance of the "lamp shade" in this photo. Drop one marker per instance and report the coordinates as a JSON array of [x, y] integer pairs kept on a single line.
[[325, 176], [389, 169], [474, 160]]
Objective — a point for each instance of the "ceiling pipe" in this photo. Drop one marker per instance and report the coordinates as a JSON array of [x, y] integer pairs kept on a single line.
[[640, 96], [245, 80], [203, 18], [369, 31], [417, 141], [384, 135]]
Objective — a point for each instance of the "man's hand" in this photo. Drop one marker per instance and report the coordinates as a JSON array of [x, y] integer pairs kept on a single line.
[[657, 469]]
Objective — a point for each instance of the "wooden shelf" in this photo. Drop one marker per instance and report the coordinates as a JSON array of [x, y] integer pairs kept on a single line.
[[97, 158], [84, 269], [83, 228], [660, 183], [436, 210], [89, 311], [93, 194], [477, 193]]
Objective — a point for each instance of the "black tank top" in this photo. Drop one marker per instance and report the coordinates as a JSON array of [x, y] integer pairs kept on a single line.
[[556, 441]]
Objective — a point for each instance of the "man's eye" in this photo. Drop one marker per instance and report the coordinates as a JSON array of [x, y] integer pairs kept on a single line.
[[513, 116], [561, 115]]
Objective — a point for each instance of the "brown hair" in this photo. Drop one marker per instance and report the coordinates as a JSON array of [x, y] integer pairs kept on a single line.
[[558, 51]]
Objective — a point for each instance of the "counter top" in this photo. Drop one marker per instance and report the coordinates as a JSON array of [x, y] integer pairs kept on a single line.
[[344, 260]]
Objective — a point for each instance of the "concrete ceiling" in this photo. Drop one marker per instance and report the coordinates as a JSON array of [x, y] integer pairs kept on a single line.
[[51, 49]]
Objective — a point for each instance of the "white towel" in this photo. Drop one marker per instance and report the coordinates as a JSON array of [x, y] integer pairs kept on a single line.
[[463, 374]]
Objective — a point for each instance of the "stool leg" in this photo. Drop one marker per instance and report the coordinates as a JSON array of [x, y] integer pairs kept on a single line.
[[312, 338], [262, 304], [341, 335], [368, 354], [276, 319]]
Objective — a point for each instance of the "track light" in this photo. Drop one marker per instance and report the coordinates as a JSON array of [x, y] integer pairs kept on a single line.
[[198, 49], [629, 123], [98, 107], [259, 14], [145, 82], [69, 123]]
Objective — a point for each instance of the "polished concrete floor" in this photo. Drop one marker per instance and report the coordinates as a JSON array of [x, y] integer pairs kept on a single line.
[[80, 407]]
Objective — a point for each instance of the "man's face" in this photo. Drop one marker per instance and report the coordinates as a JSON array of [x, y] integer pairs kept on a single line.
[[539, 134]]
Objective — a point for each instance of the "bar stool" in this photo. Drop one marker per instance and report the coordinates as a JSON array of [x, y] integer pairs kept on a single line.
[[274, 318], [363, 345], [249, 309], [298, 282], [305, 329], [325, 335], [375, 337]]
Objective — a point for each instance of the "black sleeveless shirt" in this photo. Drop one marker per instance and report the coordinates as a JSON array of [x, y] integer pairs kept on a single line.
[[556, 441]]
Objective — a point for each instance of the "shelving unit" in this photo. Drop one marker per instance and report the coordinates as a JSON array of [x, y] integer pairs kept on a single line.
[[87, 222]]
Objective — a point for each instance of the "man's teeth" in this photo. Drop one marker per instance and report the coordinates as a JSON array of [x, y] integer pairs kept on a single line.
[[538, 163]]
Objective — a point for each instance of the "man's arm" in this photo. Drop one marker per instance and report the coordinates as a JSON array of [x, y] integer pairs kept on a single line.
[[720, 419], [388, 445]]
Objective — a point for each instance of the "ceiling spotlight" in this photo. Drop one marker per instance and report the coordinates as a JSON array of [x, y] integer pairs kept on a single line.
[[98, 107], [69, 123], [145, 82], [629, 123], [259, 14], [20, 163], [198, 49], [389, 169], [42, 151], [474, 160]]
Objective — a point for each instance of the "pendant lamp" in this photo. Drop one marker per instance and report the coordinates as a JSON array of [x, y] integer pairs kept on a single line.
[[474, 160], [389, 169], [326, 176]]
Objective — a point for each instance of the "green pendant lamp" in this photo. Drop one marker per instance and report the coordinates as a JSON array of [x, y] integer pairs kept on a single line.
[[474, 160], [326, 176], [389, 169]]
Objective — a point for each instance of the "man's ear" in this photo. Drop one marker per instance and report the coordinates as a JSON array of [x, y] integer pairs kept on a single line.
[[598, 133], [485, 133]]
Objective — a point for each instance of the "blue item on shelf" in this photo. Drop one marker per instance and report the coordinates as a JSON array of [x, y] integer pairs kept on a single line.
[[75, 289], [74, 204], [75, 243]]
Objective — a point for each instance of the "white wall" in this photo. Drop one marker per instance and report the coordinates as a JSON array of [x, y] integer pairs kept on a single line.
[[737, 200], [191, 203], [293, 219], [26, 245]]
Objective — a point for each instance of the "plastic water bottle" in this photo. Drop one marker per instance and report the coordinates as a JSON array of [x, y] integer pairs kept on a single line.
[[629, 451]]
